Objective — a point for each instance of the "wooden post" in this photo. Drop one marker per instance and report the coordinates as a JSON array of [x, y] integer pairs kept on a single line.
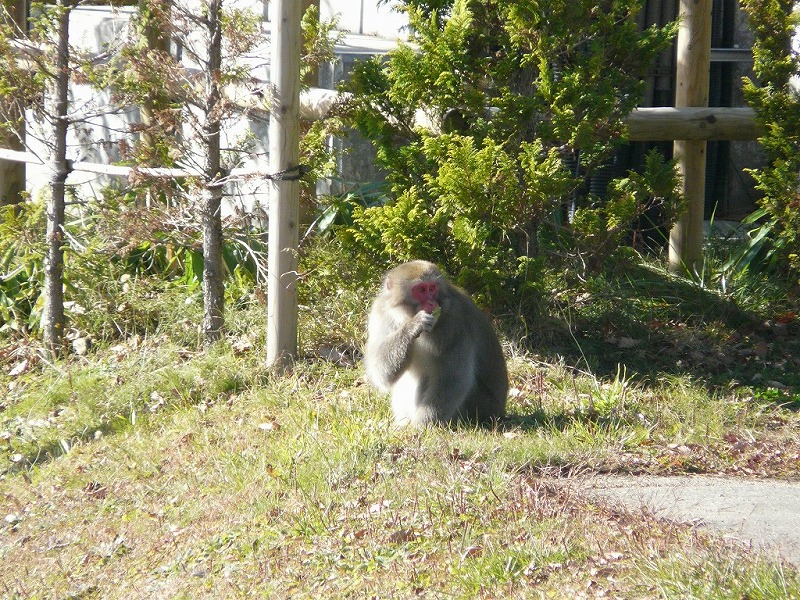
[[284, 154], [12, 174], [664, 123], [693, 65]]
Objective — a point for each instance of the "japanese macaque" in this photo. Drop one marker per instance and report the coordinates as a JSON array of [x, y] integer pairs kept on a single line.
[[434, 350]]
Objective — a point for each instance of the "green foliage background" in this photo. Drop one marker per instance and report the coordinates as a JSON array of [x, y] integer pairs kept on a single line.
[[515, 93], [776, 100], [133, 252]]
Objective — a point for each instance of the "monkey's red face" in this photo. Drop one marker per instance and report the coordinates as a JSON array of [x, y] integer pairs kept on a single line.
[[426, 293]]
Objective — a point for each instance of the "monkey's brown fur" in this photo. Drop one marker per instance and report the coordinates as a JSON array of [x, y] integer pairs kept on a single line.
[[441, 366]]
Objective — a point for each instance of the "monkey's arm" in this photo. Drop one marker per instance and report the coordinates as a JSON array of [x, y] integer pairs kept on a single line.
[[389, 350]]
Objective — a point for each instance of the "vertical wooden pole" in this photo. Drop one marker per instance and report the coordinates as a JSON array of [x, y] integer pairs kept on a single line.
[[284, 153], [693, 65], [12, 173]]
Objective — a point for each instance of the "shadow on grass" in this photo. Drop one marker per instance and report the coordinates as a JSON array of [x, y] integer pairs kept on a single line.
[[41, 453], [200, 380], [559, 421], [656, 325]]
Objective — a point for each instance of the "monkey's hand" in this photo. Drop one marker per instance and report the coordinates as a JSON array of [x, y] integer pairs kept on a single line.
[[424, 321]]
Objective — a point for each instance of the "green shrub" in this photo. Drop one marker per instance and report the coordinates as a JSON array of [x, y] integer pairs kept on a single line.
[[776, 100], [516, 94], [22, 234], [129, 269]]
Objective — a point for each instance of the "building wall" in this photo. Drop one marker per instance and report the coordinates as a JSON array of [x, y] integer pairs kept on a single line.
[[365, 17], [97, 138], [375, 31]]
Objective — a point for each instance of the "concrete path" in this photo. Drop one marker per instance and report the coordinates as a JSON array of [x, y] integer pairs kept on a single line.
[[765, 513]]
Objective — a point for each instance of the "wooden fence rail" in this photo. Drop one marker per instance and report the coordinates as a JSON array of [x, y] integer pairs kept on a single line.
[[644, 124]]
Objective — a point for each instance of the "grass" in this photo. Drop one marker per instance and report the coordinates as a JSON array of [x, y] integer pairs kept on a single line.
[[150, 468]]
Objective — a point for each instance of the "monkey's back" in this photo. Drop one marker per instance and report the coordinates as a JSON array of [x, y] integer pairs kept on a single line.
[[474, 344]]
